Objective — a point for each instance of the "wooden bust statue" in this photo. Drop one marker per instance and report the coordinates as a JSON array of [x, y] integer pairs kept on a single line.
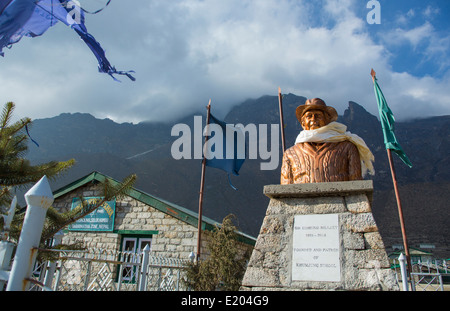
[[324, 151]]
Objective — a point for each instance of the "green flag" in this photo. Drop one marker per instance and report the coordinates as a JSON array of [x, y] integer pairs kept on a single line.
[[387, 123]]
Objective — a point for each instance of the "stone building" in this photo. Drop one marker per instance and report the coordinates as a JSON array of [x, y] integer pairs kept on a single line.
[[135, 221]]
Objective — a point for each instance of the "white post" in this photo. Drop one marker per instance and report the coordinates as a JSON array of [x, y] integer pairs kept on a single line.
[[144, 267], [6, 248], [402, 261], [51, 266], [39, 198], [8, 219]]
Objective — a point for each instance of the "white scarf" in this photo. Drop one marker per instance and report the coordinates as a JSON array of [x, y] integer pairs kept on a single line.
[[337, 132]]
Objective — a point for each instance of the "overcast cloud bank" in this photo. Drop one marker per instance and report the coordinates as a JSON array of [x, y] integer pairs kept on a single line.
[[185, 52]]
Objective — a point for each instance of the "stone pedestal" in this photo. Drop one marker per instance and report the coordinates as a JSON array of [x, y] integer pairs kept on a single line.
[[319, 236]]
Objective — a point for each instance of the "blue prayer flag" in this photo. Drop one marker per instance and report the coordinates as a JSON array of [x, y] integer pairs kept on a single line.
[[32, 18], [226, 149]]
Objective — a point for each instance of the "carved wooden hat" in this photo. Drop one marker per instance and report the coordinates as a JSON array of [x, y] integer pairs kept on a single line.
[[316, 104]]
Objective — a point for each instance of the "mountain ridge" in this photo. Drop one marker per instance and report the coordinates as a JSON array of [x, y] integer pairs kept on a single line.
[[112, 149]]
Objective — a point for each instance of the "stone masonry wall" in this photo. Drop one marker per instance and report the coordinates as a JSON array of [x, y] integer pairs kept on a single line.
[[175, 238], [363, 259]]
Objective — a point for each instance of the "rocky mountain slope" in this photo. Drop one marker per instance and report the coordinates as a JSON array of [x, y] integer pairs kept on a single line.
[[117, 150]]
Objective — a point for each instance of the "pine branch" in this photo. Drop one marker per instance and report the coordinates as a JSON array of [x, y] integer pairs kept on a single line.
[[16, 171], [58, 221], [21, 172], [112, 189], [224, 268], [6, 114]]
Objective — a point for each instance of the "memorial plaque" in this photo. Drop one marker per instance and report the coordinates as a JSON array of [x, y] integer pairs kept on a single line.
[[316, 248]]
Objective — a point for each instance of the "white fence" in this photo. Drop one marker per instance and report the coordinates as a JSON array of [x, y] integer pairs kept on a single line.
[[426, 275], [106, 271], [103, 271], [76, 271]]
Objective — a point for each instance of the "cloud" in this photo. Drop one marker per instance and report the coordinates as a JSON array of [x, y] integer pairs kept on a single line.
[[414, 36], [431, 12], [185, 52]]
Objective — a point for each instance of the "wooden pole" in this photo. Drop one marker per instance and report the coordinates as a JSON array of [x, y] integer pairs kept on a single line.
[[397, 196], [280, 103], [400, 211], [202, 186]]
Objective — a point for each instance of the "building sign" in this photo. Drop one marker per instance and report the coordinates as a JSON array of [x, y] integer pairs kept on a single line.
[[316, 248], [101, 219]]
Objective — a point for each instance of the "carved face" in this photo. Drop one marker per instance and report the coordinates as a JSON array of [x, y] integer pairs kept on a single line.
[[313, 119]]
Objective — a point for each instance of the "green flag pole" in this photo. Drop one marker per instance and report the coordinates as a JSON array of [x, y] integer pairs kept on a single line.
[[387, 122]]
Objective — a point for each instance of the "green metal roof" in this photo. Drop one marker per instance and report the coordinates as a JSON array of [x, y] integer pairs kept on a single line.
[[164, 206], [413, 252]]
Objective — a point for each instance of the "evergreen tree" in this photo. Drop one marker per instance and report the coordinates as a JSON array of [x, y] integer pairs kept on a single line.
[[17, 172], [225, 266]]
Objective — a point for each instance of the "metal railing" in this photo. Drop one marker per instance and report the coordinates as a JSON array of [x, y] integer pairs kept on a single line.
[[100, 270], [425, 276], [75, 270]]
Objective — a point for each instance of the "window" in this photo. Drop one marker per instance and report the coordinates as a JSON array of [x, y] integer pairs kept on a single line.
[[132, 247]]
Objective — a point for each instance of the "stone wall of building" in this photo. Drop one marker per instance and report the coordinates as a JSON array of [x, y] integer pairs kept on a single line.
[[173, 237], [363, 261]]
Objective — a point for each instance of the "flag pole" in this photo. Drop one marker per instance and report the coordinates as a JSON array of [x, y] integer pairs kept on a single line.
[[400, 211], [397, 196], [280, 103], [202, 185]]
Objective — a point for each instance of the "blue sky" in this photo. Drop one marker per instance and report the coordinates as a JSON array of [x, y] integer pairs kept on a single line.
[[416, 34], [185, 52]]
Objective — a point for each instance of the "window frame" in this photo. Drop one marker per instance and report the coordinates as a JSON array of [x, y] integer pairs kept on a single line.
[[139, 242]]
